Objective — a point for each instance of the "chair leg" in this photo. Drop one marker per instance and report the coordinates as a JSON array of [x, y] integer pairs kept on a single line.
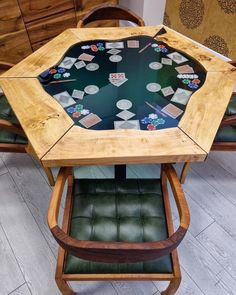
[[49, 174], [64, 287], [184, 172], [173, 287]]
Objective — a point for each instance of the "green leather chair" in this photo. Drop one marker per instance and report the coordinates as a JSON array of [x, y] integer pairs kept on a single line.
[[225, 139], [118, 229], [12, 137]]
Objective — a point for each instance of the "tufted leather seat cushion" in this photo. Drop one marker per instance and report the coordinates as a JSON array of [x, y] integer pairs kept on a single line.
[[231, 108], [6, 113], [111, 210], [226, 134]]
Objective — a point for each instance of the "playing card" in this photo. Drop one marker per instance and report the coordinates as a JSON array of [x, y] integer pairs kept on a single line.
[[172, 111], [181, 96], [78, 94], [86, 57], [177, 57], [118, 82], [114, 51], [67, 63], [125, 115], [117, 76], [131, 124], [166, 61], [90, 120], [64, 99], [110, 45], [167, 91], [80, 64], [186, 69], [132, 43]]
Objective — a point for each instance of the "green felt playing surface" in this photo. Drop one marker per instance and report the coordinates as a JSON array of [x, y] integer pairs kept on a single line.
[[137, 69]]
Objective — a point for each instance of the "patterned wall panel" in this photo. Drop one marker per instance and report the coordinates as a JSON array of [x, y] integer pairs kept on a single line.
[[210, 22]]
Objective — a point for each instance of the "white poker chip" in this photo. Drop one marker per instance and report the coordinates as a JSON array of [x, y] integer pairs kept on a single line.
[[92, 66], [155, 65], [124, 104], [85, 112], [154, 45], [153, 87], [195, 76], [85, 47], [91, 89], [66, 75], [115, 58], [152, 116], [179, 76]]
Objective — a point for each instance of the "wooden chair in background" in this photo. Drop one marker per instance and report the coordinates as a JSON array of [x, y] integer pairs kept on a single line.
[[110, 12], [225, 139], [118, 230], [12, 137]]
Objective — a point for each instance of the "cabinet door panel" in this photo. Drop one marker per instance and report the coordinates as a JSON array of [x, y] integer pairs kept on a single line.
[[10, 17], [14, 46], [36, 9], [50, 27]]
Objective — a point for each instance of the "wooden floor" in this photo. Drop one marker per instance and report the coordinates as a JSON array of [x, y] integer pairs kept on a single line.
[[207, 255]]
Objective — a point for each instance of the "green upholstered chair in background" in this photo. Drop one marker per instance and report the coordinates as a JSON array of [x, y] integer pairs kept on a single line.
[[110, 12], [225, 139], [118, 229], [12, 137]]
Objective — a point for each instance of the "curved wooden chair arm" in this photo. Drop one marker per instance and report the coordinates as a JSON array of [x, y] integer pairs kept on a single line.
[[118, 252], [229, 120], [10, 127], [4, 66], [232, 62], [109, 11]]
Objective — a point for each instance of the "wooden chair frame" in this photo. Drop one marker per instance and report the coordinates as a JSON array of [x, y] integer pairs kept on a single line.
[[16, 129], [113, 251], [110, 11], [216, 146]]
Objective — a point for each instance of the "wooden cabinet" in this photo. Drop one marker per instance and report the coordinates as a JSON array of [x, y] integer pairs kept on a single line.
[[26, 25]]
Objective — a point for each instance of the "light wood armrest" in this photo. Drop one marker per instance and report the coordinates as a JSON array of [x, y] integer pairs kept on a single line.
[[10, 127], [118, 252]]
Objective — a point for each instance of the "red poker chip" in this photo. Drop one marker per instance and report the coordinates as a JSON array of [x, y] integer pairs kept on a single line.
[[161, 46], [53, 71], [196, 81], [151, 127], [76, 114]]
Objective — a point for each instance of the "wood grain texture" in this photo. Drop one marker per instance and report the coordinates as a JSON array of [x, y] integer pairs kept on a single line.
[[50, 26], [9, 265], [38, 9], [31, 251], [206, 108], [43, 58], [221, 246], [12, 51], [87, 147], [42, 118], [10, 17], [22, 290]]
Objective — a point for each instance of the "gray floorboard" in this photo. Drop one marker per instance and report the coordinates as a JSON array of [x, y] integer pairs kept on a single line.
[[207, 254]]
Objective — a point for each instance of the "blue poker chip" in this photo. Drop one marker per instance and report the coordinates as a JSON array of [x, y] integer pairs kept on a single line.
[[71, 110], [99, 44], [45, 74], [146, 120], [192, 85], [164, 50], [61, 70]]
